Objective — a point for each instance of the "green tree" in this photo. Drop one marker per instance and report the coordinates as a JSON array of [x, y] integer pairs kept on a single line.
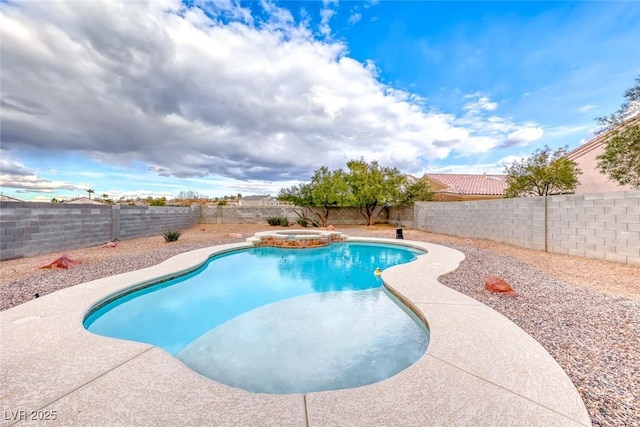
[[621, 157], [419, 191], [373, 186], [326, 189], [90, 191], [542, 174], [160, 201]]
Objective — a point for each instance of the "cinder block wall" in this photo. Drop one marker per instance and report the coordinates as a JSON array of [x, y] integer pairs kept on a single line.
[[141, 221], [38, 228], [29, 229], [598, 225], [518, 222], [244, 214], [259, 215]]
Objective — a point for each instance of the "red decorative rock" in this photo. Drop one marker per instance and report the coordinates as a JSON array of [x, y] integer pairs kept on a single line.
[[110, 245], [63, 261], [495, 284], [331, 227]]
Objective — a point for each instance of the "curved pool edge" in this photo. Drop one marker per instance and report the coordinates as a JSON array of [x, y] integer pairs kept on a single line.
[[479, 368]]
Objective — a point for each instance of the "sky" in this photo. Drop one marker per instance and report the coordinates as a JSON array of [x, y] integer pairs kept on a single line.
[[137, 99]]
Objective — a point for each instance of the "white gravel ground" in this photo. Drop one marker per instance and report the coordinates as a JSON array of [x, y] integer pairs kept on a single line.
[[586, 313]]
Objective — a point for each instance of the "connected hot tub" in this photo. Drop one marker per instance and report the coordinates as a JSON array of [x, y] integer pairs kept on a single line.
[[296, 238]]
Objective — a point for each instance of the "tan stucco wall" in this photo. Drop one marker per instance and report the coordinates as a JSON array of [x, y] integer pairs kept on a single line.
[[591, 180]]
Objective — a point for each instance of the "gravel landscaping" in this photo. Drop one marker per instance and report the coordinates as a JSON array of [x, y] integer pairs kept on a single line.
[[586, 313]]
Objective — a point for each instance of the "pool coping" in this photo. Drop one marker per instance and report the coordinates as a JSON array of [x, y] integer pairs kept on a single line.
[[479, 369]]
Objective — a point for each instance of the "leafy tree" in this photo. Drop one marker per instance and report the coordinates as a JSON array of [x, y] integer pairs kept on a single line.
[[90, 191], [629, 108], [419, 191], [160, 201], [372, 186], [542, 174], [326, 189], [621, 157]]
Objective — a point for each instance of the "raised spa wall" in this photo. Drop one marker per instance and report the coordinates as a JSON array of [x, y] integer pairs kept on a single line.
[[296, 238]]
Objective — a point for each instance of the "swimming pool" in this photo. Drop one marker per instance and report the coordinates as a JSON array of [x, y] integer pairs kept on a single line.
[[278, 320]]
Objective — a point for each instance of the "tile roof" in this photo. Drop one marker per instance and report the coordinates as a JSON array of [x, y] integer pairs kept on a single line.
[[84, 200], [4, 198], [486, 185]]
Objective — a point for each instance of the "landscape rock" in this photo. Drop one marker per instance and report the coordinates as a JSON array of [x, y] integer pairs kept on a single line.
[[110, 245], [63, 261], [495, 284]]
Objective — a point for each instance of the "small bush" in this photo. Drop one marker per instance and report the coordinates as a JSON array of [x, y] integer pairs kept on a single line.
[[171, 235], [303, 222], [277, 220], [273, 220]]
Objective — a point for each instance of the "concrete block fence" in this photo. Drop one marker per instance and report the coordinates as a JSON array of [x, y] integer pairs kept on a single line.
[[259, 215], [519, 222], [599, 225], [29, 229]]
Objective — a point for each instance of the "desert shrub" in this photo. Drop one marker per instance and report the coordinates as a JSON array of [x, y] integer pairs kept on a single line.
[[273, 220], [278, 220], [303, 222], [171, 235]]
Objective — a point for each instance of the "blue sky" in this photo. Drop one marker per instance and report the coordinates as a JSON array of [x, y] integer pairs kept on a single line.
[[224, 97]]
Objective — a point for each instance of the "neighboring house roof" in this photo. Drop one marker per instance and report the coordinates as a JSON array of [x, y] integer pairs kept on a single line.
[[467, 184], [255, 197], [85, 201], [4, 198], [412, 179]]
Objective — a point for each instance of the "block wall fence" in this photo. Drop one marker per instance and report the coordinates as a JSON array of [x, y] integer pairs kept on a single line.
[[599, 225], [28, 229], [258, 215]]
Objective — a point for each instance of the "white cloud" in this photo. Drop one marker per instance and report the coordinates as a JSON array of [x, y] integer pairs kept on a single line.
[[523, 136], [586, 108], [355, 18], [508, 160], [233, 95], [17, 176], [479, 104]]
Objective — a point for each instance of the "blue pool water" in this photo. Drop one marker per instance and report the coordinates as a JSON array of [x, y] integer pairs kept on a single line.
[[278, 320]]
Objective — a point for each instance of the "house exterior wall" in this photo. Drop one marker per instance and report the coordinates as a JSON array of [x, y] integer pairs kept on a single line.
[[591, 180], [585, 156]]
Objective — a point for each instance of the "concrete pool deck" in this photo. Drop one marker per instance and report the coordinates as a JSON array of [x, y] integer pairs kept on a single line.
[[479, 368]]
